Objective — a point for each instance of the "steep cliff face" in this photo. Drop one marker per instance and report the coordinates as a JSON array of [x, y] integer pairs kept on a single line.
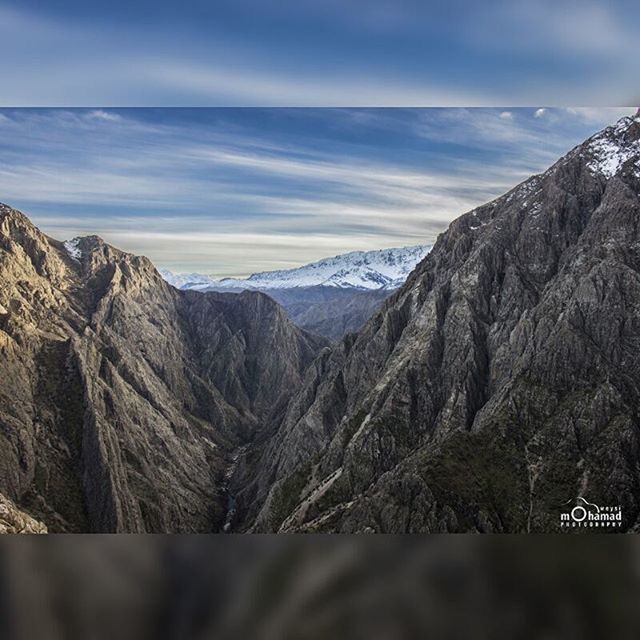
[[122, 398], [249, 350], [501, 381]]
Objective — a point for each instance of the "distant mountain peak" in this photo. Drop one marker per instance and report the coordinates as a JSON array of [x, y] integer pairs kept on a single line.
[[378, 269]]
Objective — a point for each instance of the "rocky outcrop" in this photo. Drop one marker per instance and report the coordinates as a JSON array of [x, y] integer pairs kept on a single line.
[[12, 520], [122, 398], [501, 381]]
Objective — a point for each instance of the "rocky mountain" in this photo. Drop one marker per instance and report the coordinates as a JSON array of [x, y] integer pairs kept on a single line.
[[123, 399], [331, 297], [501, 381]]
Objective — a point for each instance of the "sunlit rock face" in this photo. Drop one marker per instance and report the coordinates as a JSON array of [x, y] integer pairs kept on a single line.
[[13, 520]]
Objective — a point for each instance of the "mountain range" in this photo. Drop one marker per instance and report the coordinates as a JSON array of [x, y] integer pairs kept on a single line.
[[372, 270], [498, 383], [331, 297]]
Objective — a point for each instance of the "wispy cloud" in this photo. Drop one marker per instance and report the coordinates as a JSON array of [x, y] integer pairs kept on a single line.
[[599, 116], [101, 114]]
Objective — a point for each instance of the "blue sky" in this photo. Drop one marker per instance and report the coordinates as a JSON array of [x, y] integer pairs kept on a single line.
[[334, 52], [230, 191]]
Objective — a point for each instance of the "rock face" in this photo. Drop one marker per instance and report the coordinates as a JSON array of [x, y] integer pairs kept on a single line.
[[330, 312], [123, 398], [501, 381]]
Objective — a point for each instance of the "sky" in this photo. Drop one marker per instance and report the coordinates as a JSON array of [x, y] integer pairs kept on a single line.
[[233, 191], [238, 190], [311, 53]]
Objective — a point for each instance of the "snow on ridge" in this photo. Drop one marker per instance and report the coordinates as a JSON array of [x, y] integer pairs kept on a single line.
[[363, 269], [378, 269], [72, 248], [610, 149]]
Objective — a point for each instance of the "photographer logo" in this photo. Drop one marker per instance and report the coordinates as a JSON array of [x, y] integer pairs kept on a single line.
[[584, 514]]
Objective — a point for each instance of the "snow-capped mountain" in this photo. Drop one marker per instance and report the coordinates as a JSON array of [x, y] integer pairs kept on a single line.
[[381, 269]]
